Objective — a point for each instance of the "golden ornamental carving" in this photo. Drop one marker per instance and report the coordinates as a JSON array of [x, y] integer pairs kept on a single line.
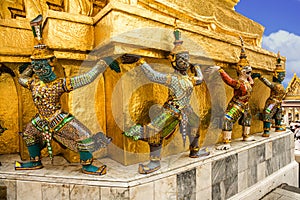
[[209, 17], [14, 9], [233, 3], [293, 89]]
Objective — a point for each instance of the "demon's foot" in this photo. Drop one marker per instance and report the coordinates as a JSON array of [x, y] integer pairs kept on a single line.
[[152, 166], [248, 138], [223, 147], [28, 165], [196, 152], [93, 170]]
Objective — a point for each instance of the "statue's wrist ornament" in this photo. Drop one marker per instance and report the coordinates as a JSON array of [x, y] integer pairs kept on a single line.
[[140, 61]]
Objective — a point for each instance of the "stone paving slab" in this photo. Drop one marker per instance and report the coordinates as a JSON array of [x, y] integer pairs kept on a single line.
[[284, 192]]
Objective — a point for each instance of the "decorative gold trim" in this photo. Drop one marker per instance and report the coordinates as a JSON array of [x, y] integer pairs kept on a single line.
[[291, 83], [195, 149], [238, 85], [86, 162], [169, 78], [206, 22], [227, 141], [227, 137], [154, 158], [36, 159], [140, 61]]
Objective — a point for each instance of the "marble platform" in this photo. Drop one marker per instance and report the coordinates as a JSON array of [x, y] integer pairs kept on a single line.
[[247, 171], [283, 192]]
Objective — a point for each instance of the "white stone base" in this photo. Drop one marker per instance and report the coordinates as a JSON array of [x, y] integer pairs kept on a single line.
[[248, 170], [288, 174]]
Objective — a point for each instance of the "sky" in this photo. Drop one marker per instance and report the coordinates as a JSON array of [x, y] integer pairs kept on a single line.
[[281, 19]]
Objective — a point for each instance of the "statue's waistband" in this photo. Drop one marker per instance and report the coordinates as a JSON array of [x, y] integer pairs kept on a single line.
[[54, 123], [277, 101], [240, 103], [176, 111]]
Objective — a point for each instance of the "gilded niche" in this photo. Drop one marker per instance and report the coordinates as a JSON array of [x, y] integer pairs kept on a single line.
[[9, 111], [14, 9]]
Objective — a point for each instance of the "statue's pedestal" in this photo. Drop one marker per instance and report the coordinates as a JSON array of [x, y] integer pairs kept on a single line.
[[248, 171]]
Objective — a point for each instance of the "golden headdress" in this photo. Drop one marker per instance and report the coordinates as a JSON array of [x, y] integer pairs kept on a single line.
[[41, 51], [279, 66], [243, 62], [178, 48]]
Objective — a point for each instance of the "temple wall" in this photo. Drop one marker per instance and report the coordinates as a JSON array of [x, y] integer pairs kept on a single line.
[[9, 96]]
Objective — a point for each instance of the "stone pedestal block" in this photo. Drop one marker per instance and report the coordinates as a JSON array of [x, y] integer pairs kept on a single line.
[[3, 191], [249, 170]]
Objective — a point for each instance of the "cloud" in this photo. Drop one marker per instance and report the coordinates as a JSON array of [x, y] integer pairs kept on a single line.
[[289, 46]]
